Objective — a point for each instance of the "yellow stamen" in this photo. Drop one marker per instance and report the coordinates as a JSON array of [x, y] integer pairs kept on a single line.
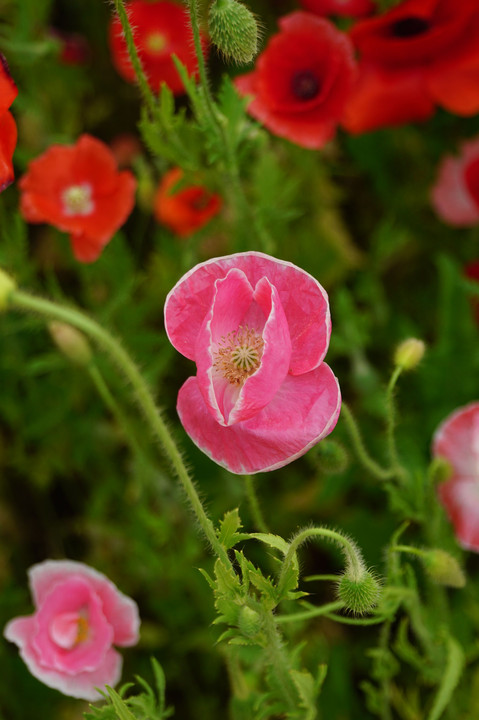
[[155, 43], [239, 355]]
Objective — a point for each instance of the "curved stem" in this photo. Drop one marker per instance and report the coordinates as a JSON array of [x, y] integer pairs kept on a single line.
[[314, 612], [258, 517], [362, 454], [396, 466], [353, 555], [24, 301]]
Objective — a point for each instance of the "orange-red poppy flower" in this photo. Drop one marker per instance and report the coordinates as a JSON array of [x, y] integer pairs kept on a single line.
[[342, 8], [78, 189], [186, 210], [8, 129], [302, 80], [417, 55], [161, 29]]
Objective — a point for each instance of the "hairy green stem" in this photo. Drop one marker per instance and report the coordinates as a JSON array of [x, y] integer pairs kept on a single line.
[[358, 444], [398, 470], [26, 302], [279, 662], [352, 554], [258, 517], [309, 614]]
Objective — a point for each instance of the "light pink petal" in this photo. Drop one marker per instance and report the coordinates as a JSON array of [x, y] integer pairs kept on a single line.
[[304, 301], [457, 440], [233, 297], [120, 610], [461, 500], [450, 196], [304, 410], [64, 629], [20, 630]]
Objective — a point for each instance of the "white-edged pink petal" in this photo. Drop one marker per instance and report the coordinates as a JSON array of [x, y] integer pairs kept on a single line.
[[304, 301], [461, 501], [120, 610], [457, 440], [304, 410]]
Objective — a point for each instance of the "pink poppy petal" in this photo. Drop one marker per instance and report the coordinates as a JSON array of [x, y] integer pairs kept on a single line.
[[304, 410], [304, 301], [461, 500], [120, 610], [457, 440], [450, 196]]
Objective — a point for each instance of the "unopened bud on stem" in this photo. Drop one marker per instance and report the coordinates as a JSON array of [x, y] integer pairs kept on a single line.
[[443, 568], [234, 30], [409, 353], [359, 593], [71, 342]]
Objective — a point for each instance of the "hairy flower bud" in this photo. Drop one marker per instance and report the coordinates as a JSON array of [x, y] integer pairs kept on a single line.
[[409, 353], [359, 595], [443, 568], [7, 285], [71, 342], [234, 30], [332, 457], [249, 622]]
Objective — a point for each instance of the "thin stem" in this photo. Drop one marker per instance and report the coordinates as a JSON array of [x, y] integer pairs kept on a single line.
[[134, 57], [254, 505], [353, 556], [396, 466], [279, 661], [408, 549], [195, 25], [362, 454], [24, 301], [308, 614]]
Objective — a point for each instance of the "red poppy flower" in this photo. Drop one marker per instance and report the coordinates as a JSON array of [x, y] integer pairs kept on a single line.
[[419, 54], [455, 195], [78, 189], [186, 210], [161, 29], [471, 271], [8, 129], [342, 8], [302, 80]]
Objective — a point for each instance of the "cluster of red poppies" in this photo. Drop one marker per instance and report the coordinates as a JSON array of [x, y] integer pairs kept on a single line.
[[389, 69]]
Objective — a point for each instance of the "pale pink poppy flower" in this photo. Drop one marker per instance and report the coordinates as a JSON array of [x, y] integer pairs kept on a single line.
[[258, 329], [455, 195], [79, 615], [457, 441]]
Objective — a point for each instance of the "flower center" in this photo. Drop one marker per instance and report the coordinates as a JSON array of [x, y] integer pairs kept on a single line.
[[409, 26], [77, 200], [305, 85], [155, 43], [69, 629], [239, 355]]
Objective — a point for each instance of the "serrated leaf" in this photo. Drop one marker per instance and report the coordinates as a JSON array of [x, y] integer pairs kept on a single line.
[[160, 681], [227, 581], [208, 578], [120, 706], [229, 526], [307, 690]]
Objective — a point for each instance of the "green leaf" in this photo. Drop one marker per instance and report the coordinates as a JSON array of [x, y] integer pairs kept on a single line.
[[120, 706], [307, 690], [229, 526], [452, 673]]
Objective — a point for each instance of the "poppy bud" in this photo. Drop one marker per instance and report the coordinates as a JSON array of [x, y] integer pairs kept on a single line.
[[249, 622], [443, 568], [72, 343], [359, 594], [409, 353], [7, 285], [234, 30], [332, 457]]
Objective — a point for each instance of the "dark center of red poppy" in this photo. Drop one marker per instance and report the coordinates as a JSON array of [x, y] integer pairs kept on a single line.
[[305, 85], [409, 27]]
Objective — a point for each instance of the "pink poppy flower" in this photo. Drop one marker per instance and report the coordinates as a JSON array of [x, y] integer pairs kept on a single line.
[[258, 329], [457, 441], [455, 195], [68, 642]]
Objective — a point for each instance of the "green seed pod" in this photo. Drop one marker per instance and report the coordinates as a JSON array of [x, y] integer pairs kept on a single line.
[[234, 30], [7, 285], [249, 622], [443, 568], [359, 595]]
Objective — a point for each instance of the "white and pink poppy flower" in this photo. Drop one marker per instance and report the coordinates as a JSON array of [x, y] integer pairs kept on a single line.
[[79, 615], [457, 441], [455, 195], [258, 329]]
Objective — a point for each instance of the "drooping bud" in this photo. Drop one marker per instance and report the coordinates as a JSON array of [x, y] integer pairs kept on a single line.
[[332, 456], [409, 353], [249, 622], [71, 342], [234, 30], [443, 568], [7, 285], [359, 594]]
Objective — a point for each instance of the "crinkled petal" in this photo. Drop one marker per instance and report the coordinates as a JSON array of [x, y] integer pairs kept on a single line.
[[121, 611], [304, 410], [304, 301], [461, 501]]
